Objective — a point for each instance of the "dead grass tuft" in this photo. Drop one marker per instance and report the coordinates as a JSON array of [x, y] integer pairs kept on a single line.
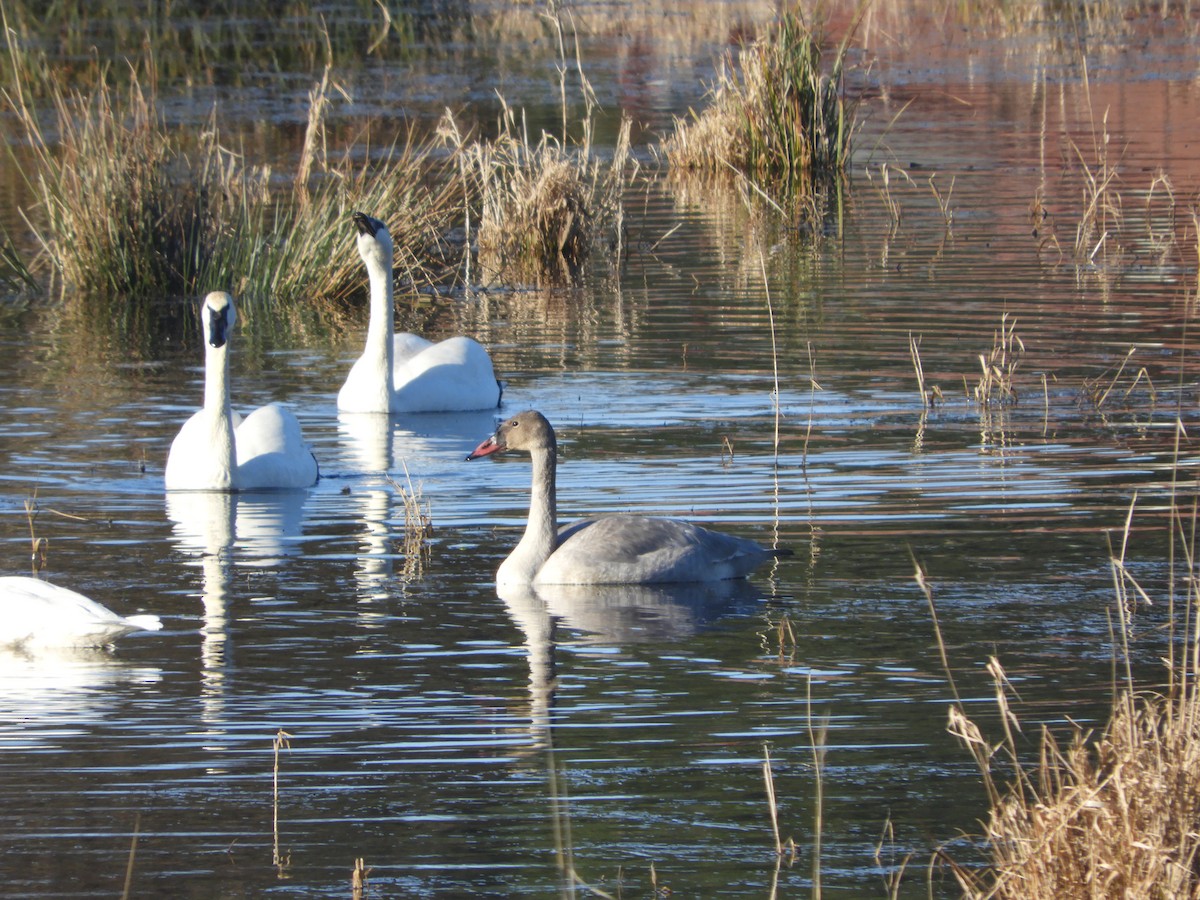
[[775, 115], [1107, 815], [543, 209]]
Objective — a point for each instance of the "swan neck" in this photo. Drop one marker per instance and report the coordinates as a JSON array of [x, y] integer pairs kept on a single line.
[[216, 379], [219, 408], [541, 532], [382, 322]]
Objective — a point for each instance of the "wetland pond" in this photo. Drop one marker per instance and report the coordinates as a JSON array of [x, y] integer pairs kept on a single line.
[[467, 743]]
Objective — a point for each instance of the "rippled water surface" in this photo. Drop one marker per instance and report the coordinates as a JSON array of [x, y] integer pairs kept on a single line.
[[312, 700]]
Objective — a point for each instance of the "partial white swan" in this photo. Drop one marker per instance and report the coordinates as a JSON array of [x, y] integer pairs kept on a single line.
[[35, 613], [616, 549], [218, 450], [404, 373]]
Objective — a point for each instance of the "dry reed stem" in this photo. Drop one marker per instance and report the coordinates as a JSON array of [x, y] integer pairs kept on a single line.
[[358, 879], [817, 740], [281, 863], [418, 527], [129, 864], [914, 351], [772, 806]]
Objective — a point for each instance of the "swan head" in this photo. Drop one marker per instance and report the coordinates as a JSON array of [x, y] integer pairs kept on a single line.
[[218, 315], [528, 431], [374, 241]]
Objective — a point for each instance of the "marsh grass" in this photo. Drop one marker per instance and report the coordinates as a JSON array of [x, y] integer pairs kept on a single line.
[[1103, 208], [1102, 813], [14, 272], [776, 114], [543, 208], [998, 367], [1119, 387], [112, 219], [130, 212]]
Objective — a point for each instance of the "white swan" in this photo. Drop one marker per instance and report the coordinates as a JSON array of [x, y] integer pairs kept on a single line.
[[35, 613], [218, 450], [616, 549], [404, 373]]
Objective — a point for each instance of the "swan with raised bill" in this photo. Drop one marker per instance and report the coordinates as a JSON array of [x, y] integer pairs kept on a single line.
[[218, 450], [35, 613], [613, 549], [405, 373]]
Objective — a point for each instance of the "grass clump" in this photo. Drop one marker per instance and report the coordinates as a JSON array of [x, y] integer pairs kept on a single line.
[[541, 208], [129, 211], [1107, 815], [113, 220], [1110, 817], [776, 116]]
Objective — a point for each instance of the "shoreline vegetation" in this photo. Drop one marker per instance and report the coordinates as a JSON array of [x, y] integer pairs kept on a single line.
[[129, 209], [185, 212]]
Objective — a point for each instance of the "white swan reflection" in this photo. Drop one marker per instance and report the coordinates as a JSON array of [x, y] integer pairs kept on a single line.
[[378, 448], [213, 526], [54, 691]]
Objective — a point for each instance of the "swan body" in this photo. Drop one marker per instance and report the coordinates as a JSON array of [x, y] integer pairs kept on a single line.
[[36, 613], [616, 549], [404, 373], [218, 450]]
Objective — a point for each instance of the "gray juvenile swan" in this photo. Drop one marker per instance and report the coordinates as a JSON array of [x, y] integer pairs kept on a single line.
[[218, 450], [615, 549], [404, 373]]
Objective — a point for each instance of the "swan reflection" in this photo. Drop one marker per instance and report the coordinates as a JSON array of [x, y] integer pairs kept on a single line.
[[637, 613], [60, 689], [380, 449], [616, 613], [262, 528]]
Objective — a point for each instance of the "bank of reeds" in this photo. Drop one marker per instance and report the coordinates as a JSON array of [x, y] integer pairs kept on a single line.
[[776, 115], [1102, 814], [129, 210]]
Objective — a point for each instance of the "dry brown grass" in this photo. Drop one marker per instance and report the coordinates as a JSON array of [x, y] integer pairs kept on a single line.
[[543, 208], [998, 367], [418, 527], [1104, 815], [776, 114], [1108, 816]]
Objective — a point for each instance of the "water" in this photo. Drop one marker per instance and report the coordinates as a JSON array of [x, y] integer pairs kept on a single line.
[[462, 742]]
